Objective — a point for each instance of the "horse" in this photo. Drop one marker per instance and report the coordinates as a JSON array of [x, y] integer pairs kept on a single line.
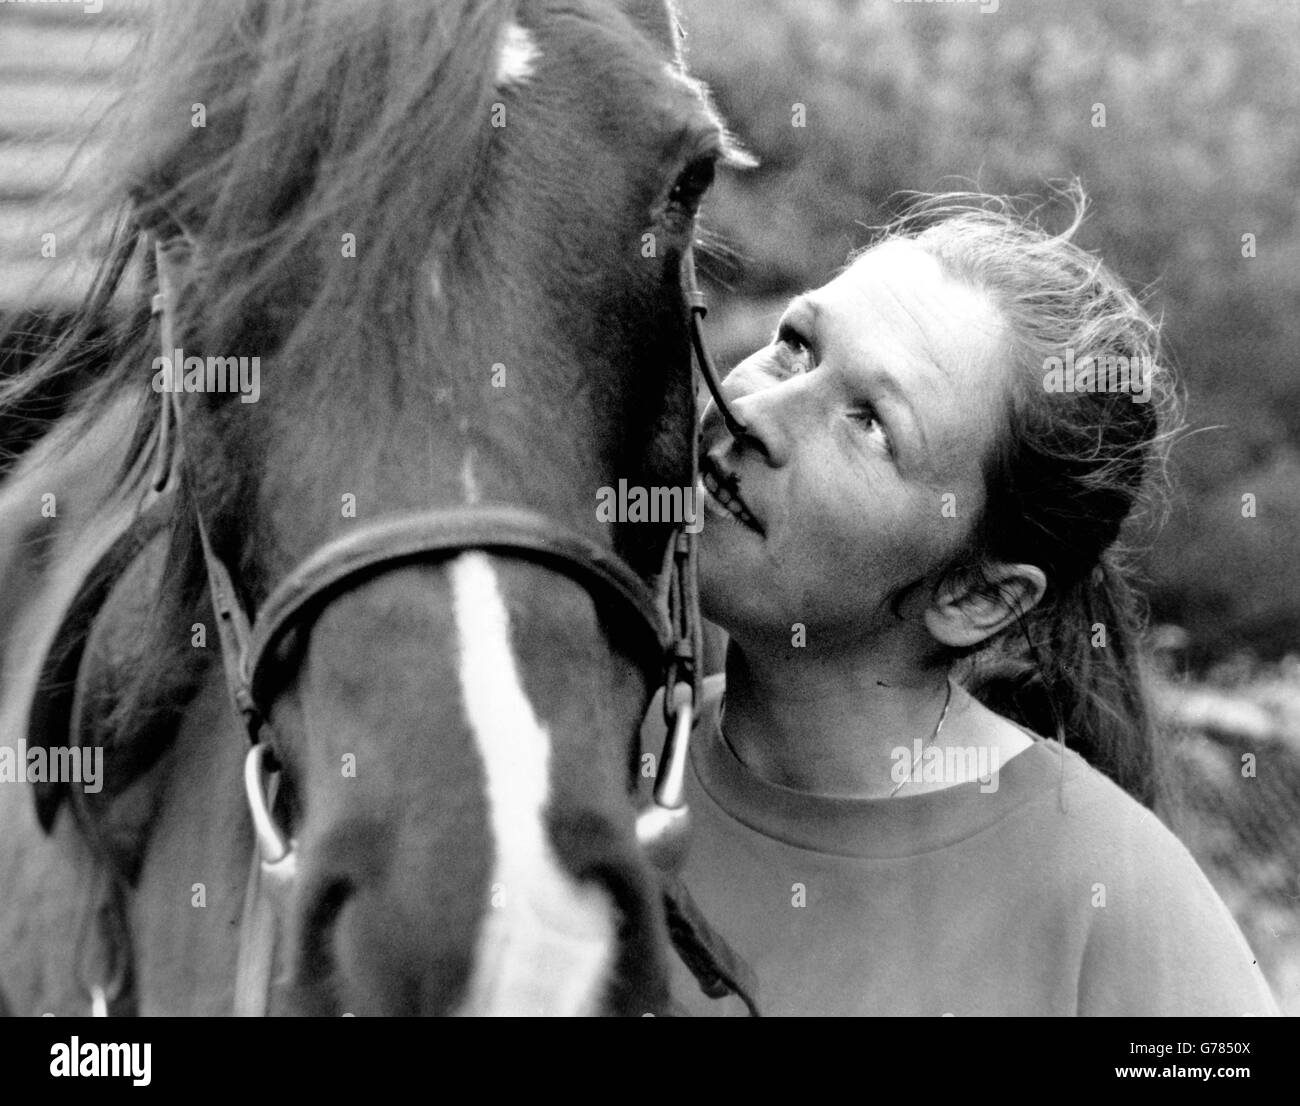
[[399, 288]]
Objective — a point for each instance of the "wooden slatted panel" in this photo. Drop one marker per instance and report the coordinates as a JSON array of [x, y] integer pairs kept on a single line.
[[82, 51], [34, 169], [58, 75]]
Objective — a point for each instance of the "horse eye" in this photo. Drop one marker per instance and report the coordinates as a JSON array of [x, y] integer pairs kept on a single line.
[[692, 183]]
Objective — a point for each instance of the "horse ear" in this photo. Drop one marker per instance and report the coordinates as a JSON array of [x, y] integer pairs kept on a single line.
[[657, 19]]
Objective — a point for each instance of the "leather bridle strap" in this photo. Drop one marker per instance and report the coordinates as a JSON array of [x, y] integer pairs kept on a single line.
[[395, 541], [699, 309], [233, 630], [715, 965]]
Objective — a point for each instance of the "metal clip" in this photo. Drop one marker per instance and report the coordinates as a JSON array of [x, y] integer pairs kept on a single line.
[[279, 853], [662, 828]]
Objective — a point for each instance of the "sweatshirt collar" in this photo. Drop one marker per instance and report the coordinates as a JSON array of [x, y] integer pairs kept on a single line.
[[905, 825]]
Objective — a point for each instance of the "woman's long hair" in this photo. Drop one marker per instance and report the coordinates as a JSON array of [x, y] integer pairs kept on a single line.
[[1068, 468]]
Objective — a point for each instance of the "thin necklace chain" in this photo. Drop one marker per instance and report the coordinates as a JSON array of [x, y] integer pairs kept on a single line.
[[947, 702], [921, 751]]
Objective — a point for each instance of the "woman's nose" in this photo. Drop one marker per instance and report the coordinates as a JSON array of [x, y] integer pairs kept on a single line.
[[761, 433], [764, 409]]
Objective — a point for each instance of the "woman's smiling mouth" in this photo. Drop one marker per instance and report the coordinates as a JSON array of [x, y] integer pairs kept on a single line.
[[722, 496]]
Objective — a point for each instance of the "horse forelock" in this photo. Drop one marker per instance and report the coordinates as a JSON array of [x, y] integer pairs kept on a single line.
[[324, 123], [274, 134], [405, 335], [329, 120]]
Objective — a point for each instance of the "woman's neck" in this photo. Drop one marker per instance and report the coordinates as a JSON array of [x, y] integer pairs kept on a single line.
[[828, 725]]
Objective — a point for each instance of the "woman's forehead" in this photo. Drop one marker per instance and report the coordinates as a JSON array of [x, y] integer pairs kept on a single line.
[[901, 279], [897, 303]]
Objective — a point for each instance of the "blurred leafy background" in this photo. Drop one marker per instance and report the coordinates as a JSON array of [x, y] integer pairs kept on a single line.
[[1200, 146]]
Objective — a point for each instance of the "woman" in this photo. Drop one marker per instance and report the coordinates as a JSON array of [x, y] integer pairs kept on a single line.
[[925, 503]]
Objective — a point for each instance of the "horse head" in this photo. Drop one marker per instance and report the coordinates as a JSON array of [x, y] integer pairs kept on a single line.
[[440, 249]]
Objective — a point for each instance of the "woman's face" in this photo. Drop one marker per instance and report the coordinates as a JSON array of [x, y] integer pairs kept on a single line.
[[870, 412]]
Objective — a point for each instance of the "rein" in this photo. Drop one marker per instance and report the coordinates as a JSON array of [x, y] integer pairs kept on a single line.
[[253, 647]]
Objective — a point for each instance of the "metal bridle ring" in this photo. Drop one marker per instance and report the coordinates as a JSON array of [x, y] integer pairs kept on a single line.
[[272, 844]]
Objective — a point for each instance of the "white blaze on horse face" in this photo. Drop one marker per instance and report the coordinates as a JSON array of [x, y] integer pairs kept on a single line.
[[468, 480], [518, 55], [548, 942]]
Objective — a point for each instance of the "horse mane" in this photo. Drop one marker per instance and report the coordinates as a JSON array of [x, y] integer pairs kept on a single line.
[[320, 118]]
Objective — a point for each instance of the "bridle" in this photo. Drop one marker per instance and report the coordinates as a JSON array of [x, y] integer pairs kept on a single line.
[[252, 647]]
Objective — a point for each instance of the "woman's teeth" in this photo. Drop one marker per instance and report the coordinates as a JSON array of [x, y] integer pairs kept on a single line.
[[725, 503]]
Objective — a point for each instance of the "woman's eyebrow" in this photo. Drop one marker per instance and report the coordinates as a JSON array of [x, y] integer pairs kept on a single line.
[[804, 306], [887, 383]]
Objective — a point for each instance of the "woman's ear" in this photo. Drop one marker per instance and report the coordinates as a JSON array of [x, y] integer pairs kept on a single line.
[[968, 612]]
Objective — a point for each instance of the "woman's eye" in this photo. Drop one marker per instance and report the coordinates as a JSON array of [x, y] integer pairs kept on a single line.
[[796, 353], [871, 424]]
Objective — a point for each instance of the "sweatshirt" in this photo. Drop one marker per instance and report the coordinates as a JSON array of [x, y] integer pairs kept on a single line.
[[1054, 894]]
